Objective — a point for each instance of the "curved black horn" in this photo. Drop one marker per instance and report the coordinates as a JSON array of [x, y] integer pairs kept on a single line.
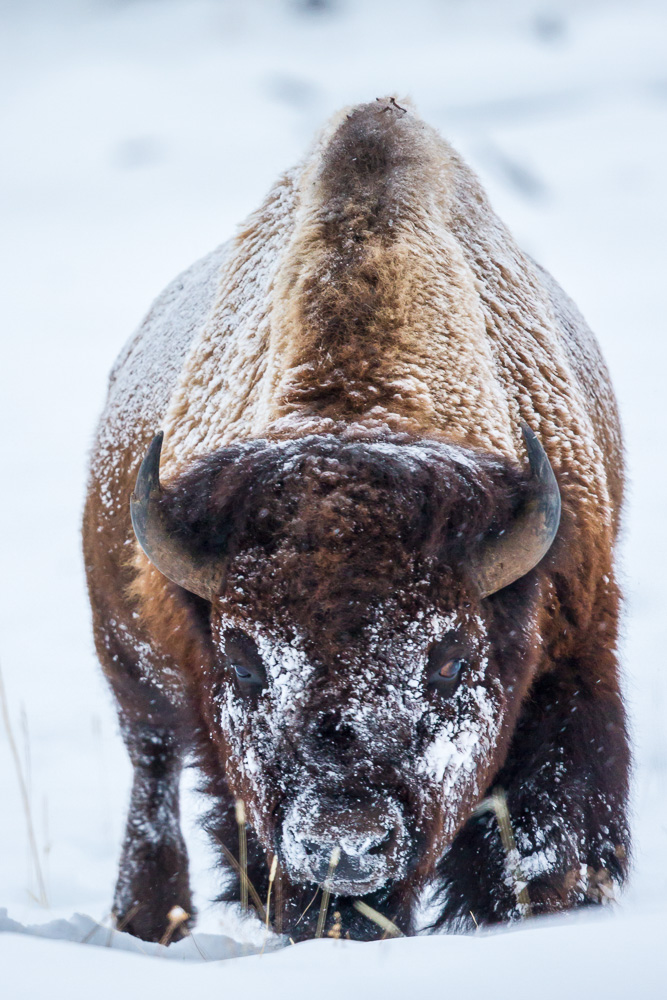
[[513, 554], [167, 553]]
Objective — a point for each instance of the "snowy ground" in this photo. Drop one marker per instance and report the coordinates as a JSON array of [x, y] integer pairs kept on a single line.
[[135, 135]]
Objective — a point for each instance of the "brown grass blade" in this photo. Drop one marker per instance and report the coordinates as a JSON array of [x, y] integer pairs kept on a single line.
[[308, 907], [272, 875], [243, 853], [237, 868], [176, 916], [387, 925]]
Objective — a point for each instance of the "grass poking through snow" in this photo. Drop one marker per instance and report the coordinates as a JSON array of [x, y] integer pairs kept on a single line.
[[25, 796]]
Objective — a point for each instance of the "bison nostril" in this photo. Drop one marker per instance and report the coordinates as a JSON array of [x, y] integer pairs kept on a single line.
[[382, 845], [333, 733], [310, 847]]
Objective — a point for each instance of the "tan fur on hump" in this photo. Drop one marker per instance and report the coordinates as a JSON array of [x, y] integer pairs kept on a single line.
[[375, 286]]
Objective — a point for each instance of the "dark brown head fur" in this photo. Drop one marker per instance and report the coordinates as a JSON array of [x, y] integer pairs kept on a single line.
[[347, 565]]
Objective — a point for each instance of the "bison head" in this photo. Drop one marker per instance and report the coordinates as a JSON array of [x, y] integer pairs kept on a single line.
[[373, 634]]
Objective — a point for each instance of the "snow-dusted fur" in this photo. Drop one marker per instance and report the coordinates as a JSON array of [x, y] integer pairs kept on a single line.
[[341, 389]]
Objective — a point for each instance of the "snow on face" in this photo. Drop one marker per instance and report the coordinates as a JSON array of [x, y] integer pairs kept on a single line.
[[252, 729], [435, 747], [453, 759], [334, 587]]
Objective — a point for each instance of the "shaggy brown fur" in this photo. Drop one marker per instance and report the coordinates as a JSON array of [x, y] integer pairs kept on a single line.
[[321, 383]]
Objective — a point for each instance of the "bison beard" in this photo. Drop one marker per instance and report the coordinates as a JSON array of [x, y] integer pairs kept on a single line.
[[351, 629]]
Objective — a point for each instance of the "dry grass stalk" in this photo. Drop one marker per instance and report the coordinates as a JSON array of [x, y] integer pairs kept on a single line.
[[122, 924], [112, 929], [308, 907], [176, 917], [96, 927], [497, 803], [46, 850], [130, 915], [326, 891], [272, 875], [387, 925], [243, 853], [278, 905], [202, 955], [27, 755], [237, 868], [25, 797]]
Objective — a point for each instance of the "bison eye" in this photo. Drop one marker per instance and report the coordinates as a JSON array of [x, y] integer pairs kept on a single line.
[[250, 681], [444, 670], [244, 659], [449, 670]]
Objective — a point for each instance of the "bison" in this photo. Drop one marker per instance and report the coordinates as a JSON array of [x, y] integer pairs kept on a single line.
[[366, 577]]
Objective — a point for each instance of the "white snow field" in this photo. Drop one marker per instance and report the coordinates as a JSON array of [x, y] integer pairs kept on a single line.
[[135, 136]]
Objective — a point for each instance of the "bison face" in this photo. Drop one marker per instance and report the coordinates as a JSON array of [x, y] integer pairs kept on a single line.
[[362, 747], [362, 691]]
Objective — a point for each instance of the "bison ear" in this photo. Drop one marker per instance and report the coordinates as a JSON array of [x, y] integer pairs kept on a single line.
[[200, 575], [507, 557]]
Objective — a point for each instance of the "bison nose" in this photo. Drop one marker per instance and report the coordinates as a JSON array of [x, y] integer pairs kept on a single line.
[[355, 849], [349, 860]]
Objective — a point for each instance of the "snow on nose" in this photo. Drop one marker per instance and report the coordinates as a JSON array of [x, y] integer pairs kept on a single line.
[[356, 848]]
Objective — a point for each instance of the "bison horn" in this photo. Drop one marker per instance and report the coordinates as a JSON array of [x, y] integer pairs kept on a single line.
[[511, 555], [199, 575]]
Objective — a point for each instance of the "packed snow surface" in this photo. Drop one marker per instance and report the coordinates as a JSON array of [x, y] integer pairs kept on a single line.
[[136, 136], [611, 959]]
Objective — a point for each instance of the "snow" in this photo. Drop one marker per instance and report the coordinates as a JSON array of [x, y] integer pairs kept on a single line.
[[81, 929], [601, 957], [136, 136]]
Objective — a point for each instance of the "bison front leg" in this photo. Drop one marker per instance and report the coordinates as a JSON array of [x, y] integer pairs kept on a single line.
[[153, 875], [566, 784]]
